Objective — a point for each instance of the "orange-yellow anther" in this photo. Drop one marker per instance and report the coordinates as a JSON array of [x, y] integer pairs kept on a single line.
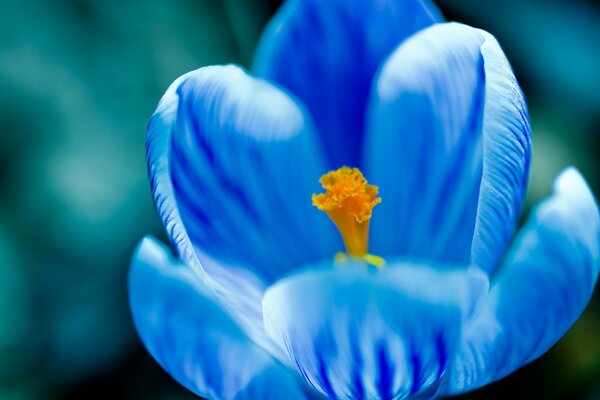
[[349, 202]]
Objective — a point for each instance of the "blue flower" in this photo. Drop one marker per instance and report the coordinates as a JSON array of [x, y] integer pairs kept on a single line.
[[256, 307]]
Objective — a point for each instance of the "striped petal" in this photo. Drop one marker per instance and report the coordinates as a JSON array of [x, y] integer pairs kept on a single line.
[[448, 146], [354, 334], [326, 52]]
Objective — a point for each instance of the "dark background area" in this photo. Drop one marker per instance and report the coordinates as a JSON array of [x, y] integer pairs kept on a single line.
[[79, 80]]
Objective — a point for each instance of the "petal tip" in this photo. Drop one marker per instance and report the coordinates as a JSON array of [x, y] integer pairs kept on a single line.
[[571, 185], [569, 177], [148, 250]]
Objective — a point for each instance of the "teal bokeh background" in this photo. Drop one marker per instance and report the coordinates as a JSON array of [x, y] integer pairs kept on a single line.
[[79, 80]]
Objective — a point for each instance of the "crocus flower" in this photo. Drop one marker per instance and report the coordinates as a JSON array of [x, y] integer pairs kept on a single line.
[[429, 294]]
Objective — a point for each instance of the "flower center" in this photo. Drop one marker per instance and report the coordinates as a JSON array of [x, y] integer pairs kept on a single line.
[[349, 200]]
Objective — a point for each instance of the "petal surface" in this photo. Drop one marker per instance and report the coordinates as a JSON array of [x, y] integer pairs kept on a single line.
[[193, 338], [540, 291], [354, 334], [326, 52], [448, 148], [233, 162], [244, 164]]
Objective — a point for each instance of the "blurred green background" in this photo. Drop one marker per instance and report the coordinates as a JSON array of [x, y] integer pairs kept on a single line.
[[79, 80]]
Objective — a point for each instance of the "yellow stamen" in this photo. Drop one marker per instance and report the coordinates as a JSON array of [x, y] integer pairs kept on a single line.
[[377, 261], [349, 202], [340, 258]]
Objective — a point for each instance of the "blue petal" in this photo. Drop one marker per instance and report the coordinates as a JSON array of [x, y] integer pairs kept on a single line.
[[448, 147], [244, 164], [542, 288], [356, 334], [233, 163], [243, 294], [326, 52], [193, 338]]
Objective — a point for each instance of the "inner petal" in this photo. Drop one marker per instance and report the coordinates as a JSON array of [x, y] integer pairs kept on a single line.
[[424, 147], [449, 145], [327, 52]]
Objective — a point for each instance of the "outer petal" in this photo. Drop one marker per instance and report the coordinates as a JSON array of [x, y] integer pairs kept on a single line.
[[233, 163], [448, 146], [327, 52], [543, 287], [244, 165], [193, 338], [354, 334]]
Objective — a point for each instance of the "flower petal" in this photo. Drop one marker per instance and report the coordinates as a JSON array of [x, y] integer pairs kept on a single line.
[[326, 52], [448, 147], [243, 165], [233, 162], [193, 338], [542, 288], [356, 334], [245, 303]]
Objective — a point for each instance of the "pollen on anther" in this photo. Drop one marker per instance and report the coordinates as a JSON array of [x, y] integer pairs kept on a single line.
[[348, 201], [347, 190]]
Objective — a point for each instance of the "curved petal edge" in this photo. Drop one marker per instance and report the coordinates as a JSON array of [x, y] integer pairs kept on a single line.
[[506, 158]]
